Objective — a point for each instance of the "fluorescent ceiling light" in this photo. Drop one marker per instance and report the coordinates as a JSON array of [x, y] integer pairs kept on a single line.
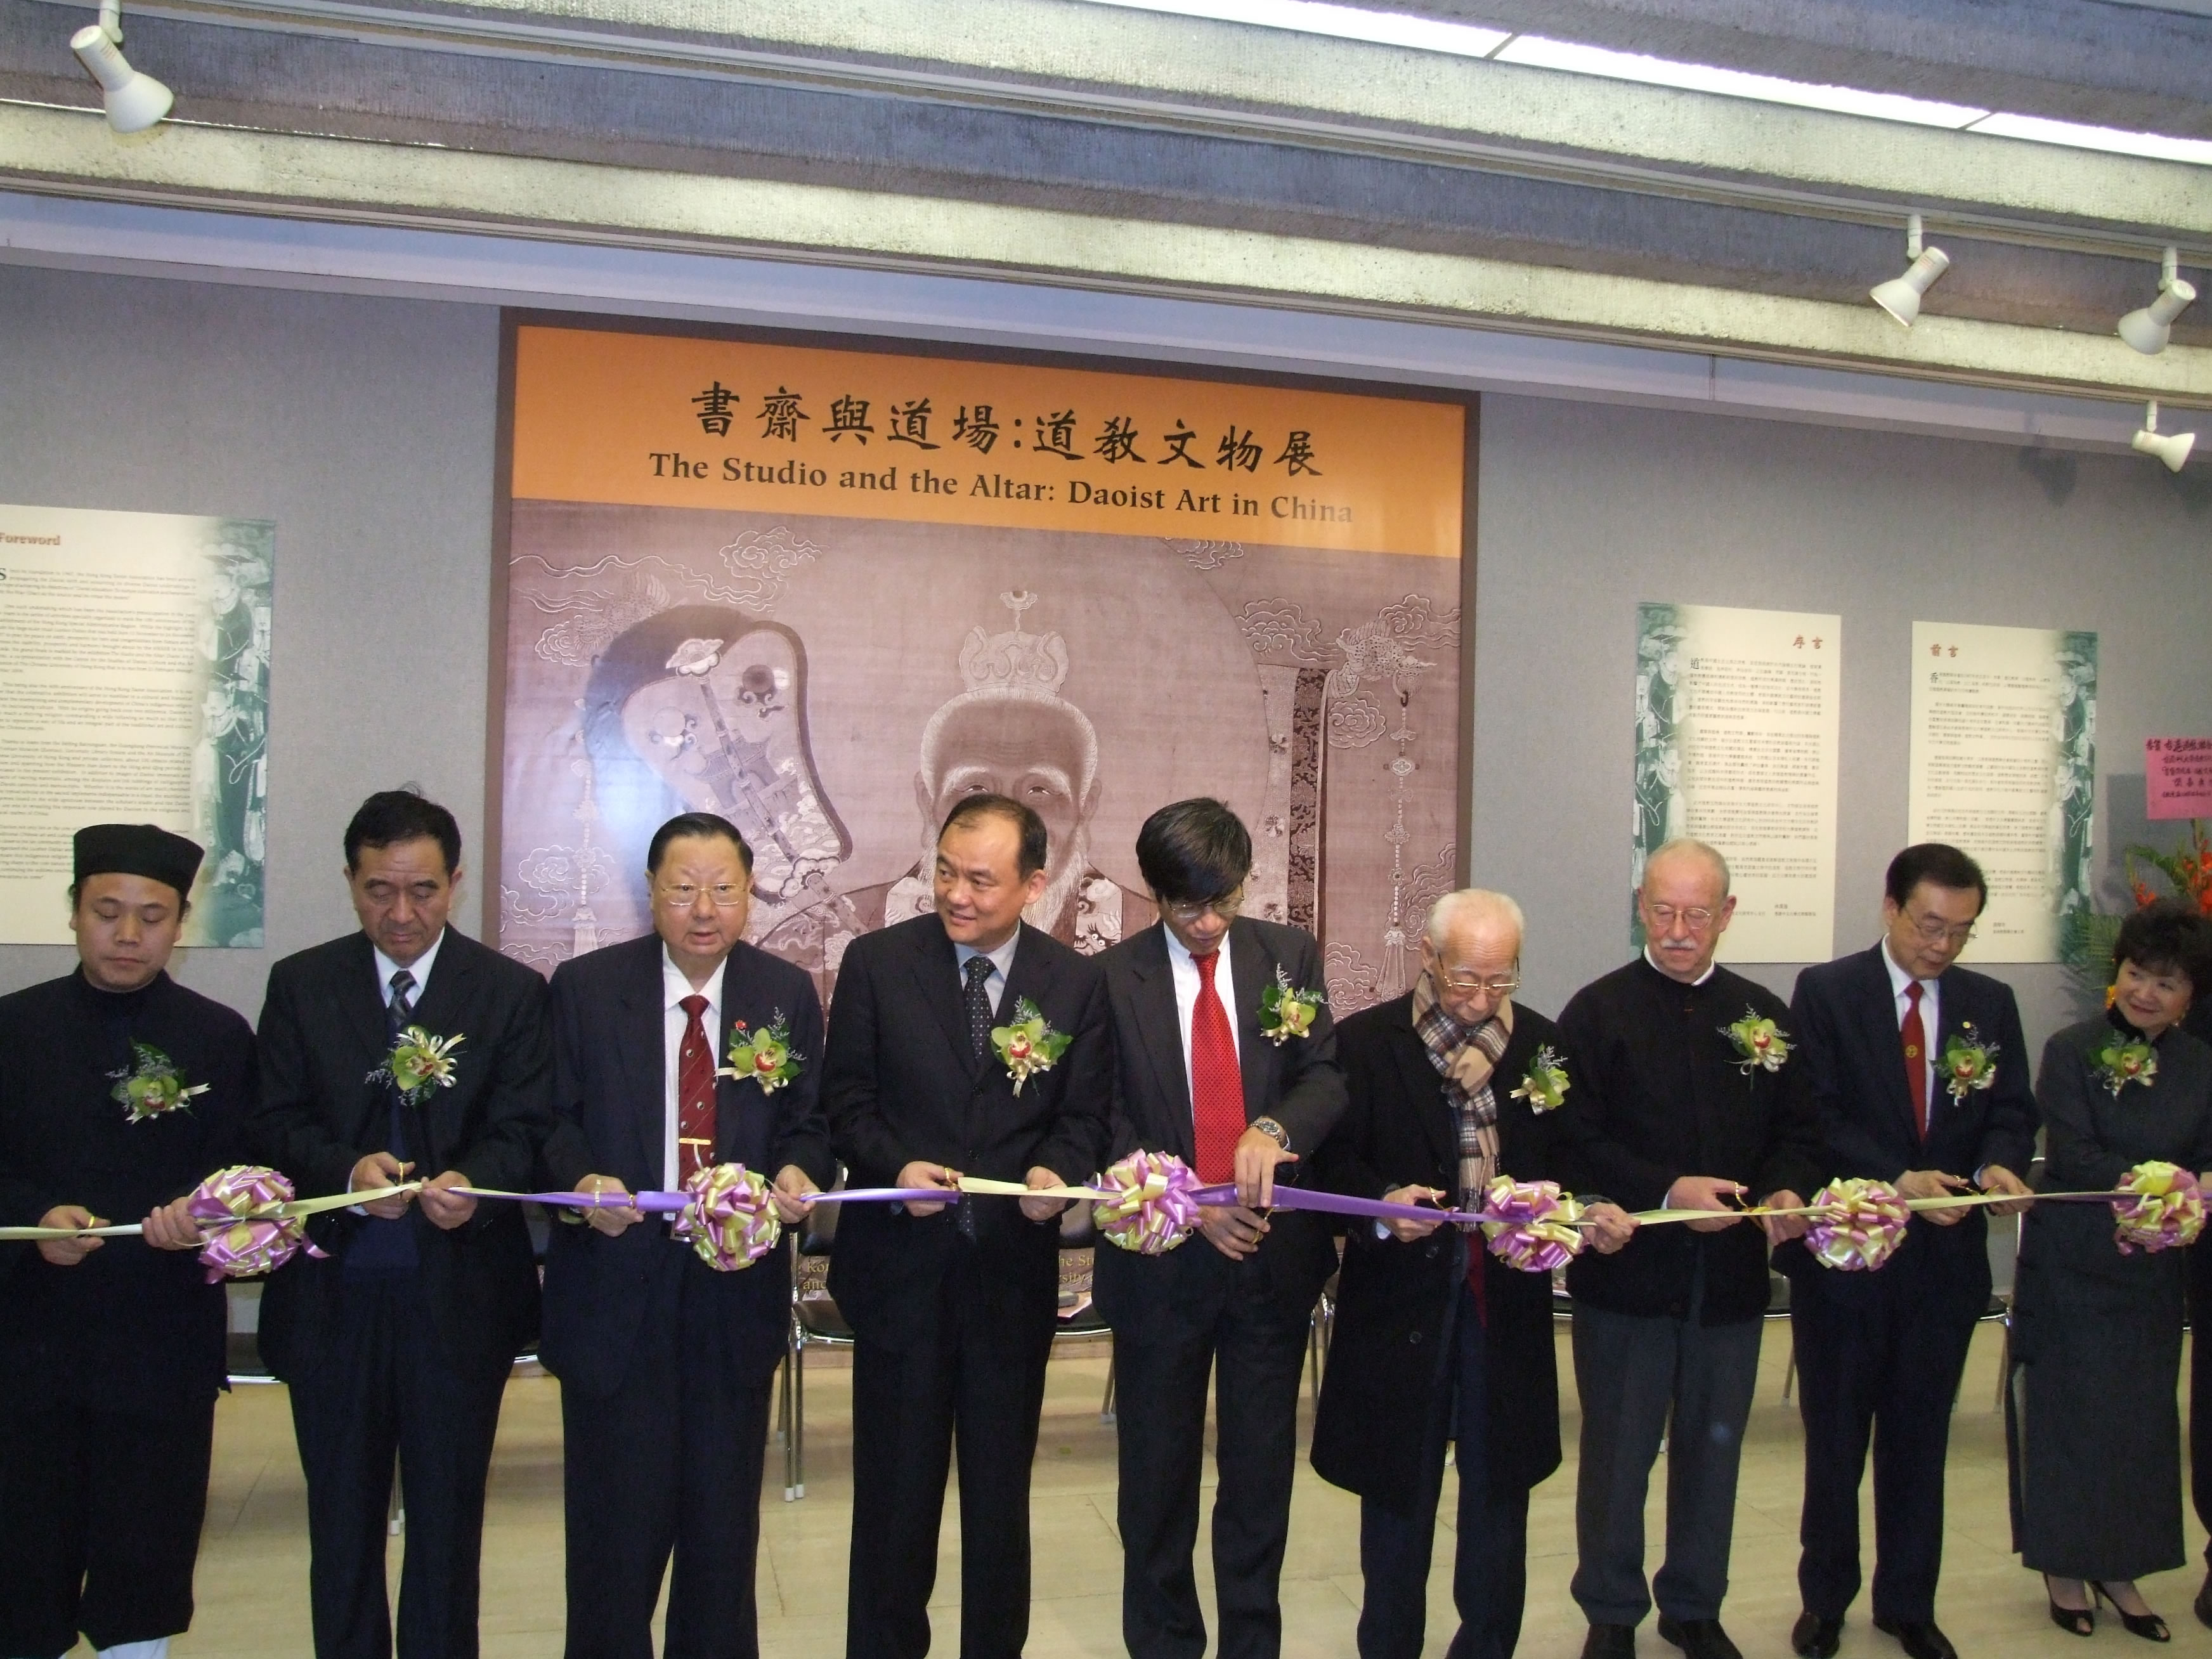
[[1388, 29], [1537, 53], [2155, 146]]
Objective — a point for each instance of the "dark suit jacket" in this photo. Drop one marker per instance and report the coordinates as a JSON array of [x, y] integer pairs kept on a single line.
[[1298, 1084], [609, 1102], [1398, 1131], [901, 1084], [1844, 1017], [1663, 1095], [322, 1033]]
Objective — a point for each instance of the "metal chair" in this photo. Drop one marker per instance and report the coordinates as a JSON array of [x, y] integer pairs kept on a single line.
[[816, 1322]]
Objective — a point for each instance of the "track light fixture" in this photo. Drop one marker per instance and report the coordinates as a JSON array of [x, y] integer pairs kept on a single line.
[[2147, 330], [135, 101], [2171, 447], [1900, 296]]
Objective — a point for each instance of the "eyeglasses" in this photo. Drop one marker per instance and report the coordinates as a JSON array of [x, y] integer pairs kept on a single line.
[[1467, 986], [1698, 918], [1225, 906], [1934, 931], [723, 896]]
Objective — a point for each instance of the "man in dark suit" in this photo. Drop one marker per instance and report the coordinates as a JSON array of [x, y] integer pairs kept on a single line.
[[120, 1090], [1880, 1354], [1676, 1109], [401, 1339], [1438, 1341], [1233, 1099], [953, 1304], [665, 1363]]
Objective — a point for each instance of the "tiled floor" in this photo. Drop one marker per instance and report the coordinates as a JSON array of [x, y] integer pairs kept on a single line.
[[252, 1573]]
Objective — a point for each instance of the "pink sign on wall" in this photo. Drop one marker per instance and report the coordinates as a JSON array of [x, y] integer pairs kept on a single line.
[[2178, 777]]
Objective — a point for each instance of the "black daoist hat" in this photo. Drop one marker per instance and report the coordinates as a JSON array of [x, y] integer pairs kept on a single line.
[[138, 849]]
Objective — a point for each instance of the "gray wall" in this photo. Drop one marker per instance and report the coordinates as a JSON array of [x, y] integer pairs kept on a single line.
[[1587, 509], [365, 428]]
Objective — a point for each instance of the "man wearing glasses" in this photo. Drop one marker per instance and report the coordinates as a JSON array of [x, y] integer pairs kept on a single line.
[[664, 1364], [1674, 1110], [1880, 1354], [1202, 1070], [1437, 1341]]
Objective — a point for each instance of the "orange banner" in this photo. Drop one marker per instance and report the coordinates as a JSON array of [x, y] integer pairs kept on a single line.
[[664, 421]]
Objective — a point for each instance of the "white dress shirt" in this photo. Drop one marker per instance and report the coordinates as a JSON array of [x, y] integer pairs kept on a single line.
[[1931, 1016], [1656, 968], [675, 985], [1002, 965], [1182, 968]]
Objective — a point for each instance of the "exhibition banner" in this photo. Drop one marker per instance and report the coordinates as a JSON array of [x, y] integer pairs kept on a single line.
[[134, 688], [1736, 723], [824, 592], [2004, 736]]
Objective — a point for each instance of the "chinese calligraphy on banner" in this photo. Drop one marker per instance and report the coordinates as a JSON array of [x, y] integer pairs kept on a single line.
[[824, 592], [2004, 750], [1736, 721], [2177, 778], [134, 687]]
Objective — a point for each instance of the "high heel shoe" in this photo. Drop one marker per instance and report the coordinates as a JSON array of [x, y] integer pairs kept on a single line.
[[2076, 1621], [2148, 1625]]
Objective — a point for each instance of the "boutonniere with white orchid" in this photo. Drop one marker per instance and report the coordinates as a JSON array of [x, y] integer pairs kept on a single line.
[[1286, 1011], [1760, 1044], [151, 1085], [418, 1063], [1027, 1043], [767, 1056], [1545, 1084]]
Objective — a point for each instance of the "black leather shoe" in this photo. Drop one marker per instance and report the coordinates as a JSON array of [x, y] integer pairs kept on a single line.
[[1815, 1637], [1610, 1642], [1921, 1641], [2203, 1603], [1699, 1639]]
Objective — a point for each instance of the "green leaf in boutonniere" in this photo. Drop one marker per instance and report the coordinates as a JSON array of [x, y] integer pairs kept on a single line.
[[767, 1056], [1286, 1011], [1027, 1043], [151, 1085], [1545, 1084], [1760, 1044], [418, 1063], [1969, 1062], [2120, 1062]]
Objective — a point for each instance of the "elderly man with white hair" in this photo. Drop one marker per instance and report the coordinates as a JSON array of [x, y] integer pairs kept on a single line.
[[1437, 1341], [1688, 1098]]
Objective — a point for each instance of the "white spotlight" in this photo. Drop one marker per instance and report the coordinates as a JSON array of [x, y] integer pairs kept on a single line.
[[135, 101], [1900, 296], [2171, 447], [2147, 330]]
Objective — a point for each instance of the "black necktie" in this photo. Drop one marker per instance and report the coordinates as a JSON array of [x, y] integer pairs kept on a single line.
[[979, 1006], [397, 1013]]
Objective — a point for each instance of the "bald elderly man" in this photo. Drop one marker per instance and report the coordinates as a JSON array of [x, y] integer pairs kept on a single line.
[[1680, 1106], [1437, 1339]]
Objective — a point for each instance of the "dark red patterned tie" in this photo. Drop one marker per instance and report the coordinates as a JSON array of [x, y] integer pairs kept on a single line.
[[1915, 1035], [1217, 1090], [694, 1093]]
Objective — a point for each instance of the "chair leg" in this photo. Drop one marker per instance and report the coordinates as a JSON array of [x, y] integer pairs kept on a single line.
[[1789, 1373], [1106, 1405], [396, 1518], [798, 1487], [787, 1402]]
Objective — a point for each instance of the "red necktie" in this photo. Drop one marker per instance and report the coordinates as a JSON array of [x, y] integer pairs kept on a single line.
[[695, 1094], [1217, 1090], [1916, 1057]]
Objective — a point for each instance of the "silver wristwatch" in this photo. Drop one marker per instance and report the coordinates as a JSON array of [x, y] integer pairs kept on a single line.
[[1274, 1131]]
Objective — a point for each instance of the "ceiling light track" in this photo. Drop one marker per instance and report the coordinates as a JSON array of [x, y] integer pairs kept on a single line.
[[391, 28]]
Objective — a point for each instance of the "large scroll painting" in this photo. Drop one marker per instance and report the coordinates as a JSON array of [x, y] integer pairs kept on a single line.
[[826, 592]]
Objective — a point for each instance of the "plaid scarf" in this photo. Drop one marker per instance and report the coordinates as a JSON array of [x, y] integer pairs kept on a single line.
[[1464, 1057]]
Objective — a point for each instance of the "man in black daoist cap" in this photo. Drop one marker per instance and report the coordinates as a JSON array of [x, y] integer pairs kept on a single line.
[[120, 1090]]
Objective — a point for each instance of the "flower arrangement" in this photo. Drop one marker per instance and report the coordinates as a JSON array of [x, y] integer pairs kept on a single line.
[[151, 1085], [418, 1063], [767, 1056], [2120, 1062], [1761, 1044], [1969, 1063], [1286, 1011], [1545, 1083], [1027, 1043]]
